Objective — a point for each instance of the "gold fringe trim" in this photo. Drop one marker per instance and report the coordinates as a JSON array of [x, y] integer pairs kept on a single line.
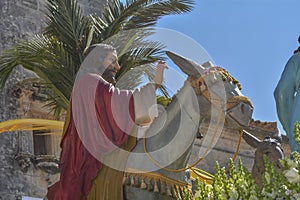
[[158, 183]]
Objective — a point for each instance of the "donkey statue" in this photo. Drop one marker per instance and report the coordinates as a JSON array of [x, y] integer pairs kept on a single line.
[[269, 147], [156, 166]]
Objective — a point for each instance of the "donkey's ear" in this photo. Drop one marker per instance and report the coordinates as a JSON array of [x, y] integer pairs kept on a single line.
[[251, 139], [188, 66]]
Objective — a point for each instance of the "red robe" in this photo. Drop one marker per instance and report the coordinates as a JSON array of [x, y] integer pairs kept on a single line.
[[78, 164]]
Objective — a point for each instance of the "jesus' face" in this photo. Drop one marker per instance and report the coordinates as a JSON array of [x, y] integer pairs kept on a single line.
[[111, 67]]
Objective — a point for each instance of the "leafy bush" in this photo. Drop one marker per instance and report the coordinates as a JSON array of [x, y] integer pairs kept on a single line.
[[297, 132], [239, 183]]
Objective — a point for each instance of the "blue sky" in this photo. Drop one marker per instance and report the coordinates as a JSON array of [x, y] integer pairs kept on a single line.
[[252, 39]]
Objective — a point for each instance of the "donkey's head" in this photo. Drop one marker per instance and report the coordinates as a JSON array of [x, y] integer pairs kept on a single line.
[[268, 147], [216, 88]]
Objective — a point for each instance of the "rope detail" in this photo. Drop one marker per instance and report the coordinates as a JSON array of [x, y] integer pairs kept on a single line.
[[237, 149]]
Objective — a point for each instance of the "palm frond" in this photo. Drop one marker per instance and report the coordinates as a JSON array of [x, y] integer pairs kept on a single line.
[[98, 26], [66, 22], [41, 55], [22, 52], [135, 15], [141, 13], [138, 65], [56, 55], [135, 77], [141, 53], [158, 9]]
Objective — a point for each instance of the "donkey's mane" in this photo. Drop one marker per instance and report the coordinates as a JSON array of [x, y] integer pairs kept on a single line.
[[226, 76]]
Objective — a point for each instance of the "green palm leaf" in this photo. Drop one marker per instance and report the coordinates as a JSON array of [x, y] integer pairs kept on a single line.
[[157, 9], [141, 13], [66, 22], [40, 55], [56, 55]]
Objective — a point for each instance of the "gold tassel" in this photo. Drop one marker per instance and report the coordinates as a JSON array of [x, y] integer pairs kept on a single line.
[[156, 190], [132, 181], [162, 188], [178, 193], [190, 191], [150, 187], [124, 179], [174, 192], [137, 182], [169, 187], [181, 189], [127, 182], [143, 184]]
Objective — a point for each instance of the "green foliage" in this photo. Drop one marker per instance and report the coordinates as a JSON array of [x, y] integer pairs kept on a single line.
[[274, 182], [56, 55], [239, 183], [187, 195], [285, 183], [163, 100], [297, 132]]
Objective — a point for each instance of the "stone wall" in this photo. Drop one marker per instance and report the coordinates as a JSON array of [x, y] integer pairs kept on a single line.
[[22, 173]]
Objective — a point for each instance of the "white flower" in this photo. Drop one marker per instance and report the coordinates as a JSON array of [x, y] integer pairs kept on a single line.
[[210, 196], [253, 197], [267, 176], [223, 194], [297, 196], [287, 192], [233, 194], [197, 194], [284, 187], [292, 175], [272, 195], [292, 163]]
